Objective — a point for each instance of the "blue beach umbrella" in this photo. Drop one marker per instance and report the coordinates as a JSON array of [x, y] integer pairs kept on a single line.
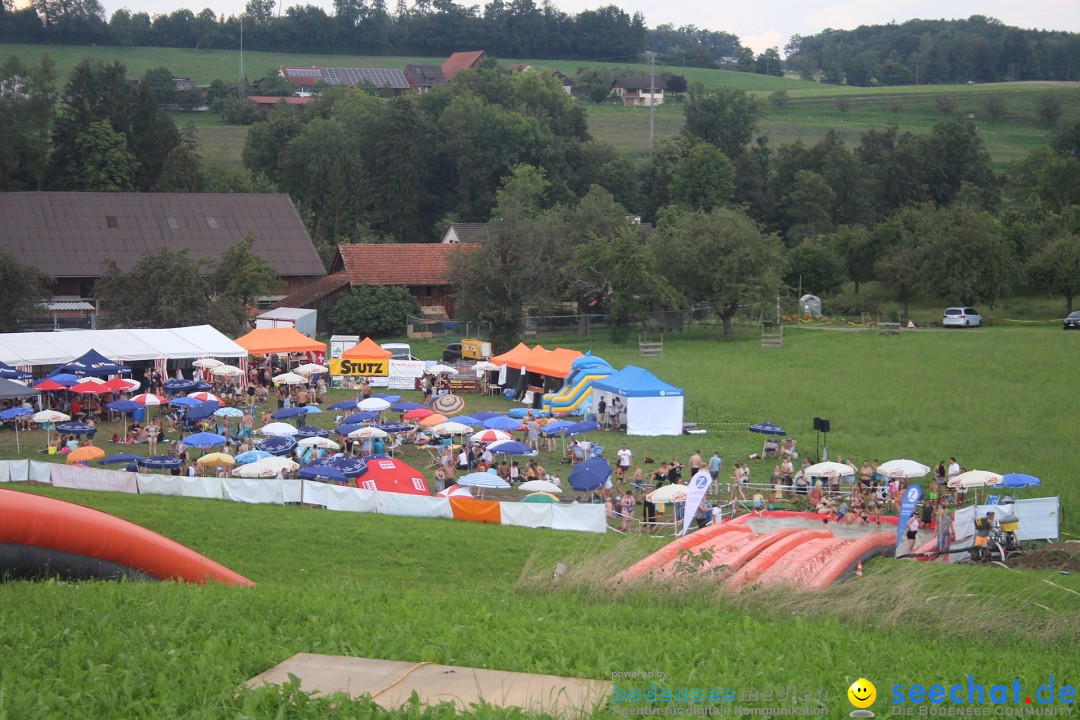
[[343, 405], [279, 445], [161, 462], [204, 440], [405, 406], [251, 456], [120, 459], [306, 431], [501, 422], [510, 447], [767, 428], [286, 413], [322, 472], [590, 474]]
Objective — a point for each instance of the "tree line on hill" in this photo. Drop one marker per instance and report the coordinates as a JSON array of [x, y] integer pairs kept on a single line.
[[935, 52], [737, 219]]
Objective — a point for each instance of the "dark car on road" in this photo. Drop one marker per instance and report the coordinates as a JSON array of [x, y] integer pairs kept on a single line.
[[1072, 322]]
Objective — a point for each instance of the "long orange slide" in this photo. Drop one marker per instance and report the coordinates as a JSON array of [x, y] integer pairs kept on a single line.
[[42, 537], [805, 559]]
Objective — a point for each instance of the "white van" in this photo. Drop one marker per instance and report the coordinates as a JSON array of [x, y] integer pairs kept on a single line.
[[399, 351]]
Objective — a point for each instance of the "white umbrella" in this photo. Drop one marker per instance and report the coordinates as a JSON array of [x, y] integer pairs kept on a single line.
[[289, 378], [226, 371], [267, 467], [903, 469], [485, 366], [491, 436], [454, 491], [452, 428], [319, 442], [668, 493], [540, 486], [310, 369], [368, 432], [208, 363], [975, 479], [373, 404], [50, 416], [483, 480], [829, 470], [278, 428], [440, 369]]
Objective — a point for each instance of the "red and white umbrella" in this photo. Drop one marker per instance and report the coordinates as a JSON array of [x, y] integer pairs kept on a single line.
[[119, 384], [455, 491], [150, 399], [392, 475], [418, 414], [491, 436], [90, 388], [205, 397]]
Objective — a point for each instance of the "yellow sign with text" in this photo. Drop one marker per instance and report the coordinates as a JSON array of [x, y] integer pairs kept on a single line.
[[363, 367]]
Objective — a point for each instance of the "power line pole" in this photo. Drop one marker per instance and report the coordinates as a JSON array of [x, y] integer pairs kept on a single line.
[[652, 98], [240, 84]]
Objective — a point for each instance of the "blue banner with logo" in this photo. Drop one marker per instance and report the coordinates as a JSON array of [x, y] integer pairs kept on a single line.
[[908, 505]]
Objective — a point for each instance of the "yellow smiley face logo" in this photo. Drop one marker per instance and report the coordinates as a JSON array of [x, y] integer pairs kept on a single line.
[[862, 693]]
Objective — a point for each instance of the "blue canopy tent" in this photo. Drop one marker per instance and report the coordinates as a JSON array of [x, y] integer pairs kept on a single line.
[[94, 364], [652, 406], [9, 373]]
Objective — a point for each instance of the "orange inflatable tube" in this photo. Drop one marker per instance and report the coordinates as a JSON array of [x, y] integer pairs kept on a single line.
[[853, 552], [669, 552], [35, 522], [749, 572]]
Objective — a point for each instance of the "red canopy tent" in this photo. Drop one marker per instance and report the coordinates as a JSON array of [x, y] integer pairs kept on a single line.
[[392, 475]]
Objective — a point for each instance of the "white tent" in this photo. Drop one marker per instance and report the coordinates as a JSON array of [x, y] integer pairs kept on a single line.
[[652, 406], [54, 348]]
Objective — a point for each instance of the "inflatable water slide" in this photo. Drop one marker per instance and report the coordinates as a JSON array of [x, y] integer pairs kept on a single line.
[[41, 537], [810, 558], [574, 396]]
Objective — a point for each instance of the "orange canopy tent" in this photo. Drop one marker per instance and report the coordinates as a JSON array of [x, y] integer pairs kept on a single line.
[[535, 356], [513, 355], [265, 341], [555, 364], [366, 349]]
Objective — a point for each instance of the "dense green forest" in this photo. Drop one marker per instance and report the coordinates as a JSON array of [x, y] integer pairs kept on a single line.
[[935, 52]]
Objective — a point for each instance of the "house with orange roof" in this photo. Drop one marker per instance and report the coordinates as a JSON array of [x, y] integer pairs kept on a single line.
[[462, 61]]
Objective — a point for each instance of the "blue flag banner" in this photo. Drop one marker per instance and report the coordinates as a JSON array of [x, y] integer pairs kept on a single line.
[[912, 496]]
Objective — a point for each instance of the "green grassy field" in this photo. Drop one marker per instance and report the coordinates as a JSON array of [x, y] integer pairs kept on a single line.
[[477, 595]]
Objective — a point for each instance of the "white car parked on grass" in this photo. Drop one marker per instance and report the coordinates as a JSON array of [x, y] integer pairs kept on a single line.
[[961, 317]]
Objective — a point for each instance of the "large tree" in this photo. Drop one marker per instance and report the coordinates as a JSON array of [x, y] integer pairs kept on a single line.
[[26, 109], [721, 257], [374, 310], [515, 265], [725, 118], [22, 288], [163, 289], [1056, 267]]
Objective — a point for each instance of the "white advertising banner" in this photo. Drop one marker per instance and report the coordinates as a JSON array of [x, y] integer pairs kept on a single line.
[[81, 477], [584, 518], [209, 487], [18, 470], [258, 492], [403, 373], [339, 497], [390, 503], [41, 471], [699, 484], [5, 476], [151, 484], [521, 514]]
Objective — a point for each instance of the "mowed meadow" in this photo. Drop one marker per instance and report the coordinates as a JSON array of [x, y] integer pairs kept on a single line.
[[479, 595], [808, 113]]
